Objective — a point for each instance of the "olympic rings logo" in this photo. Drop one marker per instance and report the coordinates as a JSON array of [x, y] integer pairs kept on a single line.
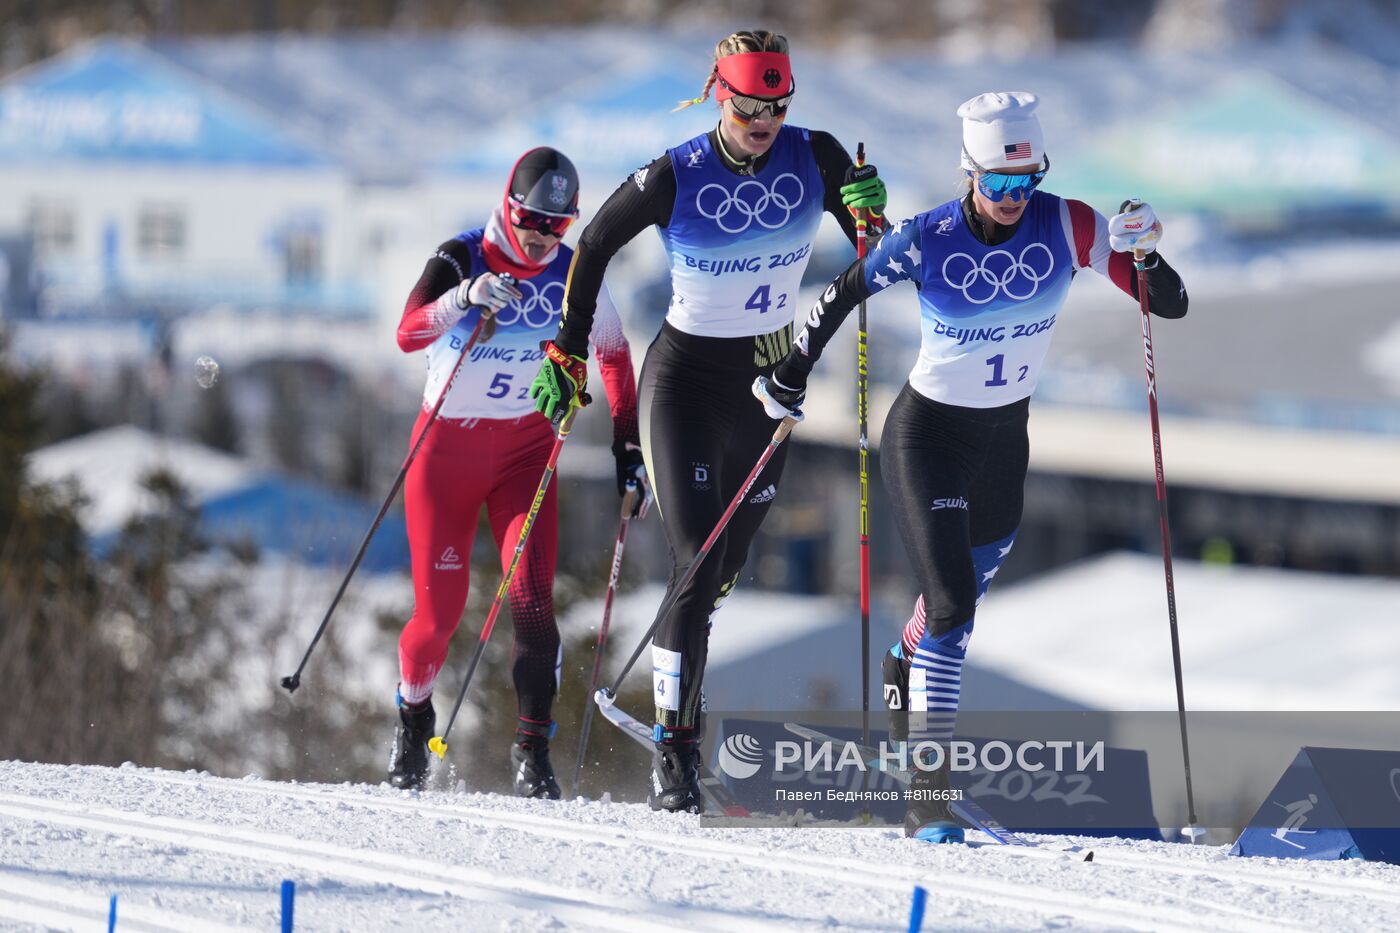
[[535, 307], [1019, 277], [751, 202]]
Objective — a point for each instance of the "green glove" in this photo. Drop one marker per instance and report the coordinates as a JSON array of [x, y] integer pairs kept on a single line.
[[559, 386], [864, 189]]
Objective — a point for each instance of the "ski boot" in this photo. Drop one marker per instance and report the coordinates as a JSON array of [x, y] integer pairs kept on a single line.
[[408, 768], [895, 674], [675, 774], [529, 761], [929, 816]]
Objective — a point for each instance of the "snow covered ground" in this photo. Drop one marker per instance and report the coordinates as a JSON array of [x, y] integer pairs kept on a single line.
[[194, 852]]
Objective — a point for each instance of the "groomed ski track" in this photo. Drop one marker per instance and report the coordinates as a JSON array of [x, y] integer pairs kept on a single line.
[[188, 851]]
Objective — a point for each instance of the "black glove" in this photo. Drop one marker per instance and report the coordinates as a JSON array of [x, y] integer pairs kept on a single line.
[[780, 400], [788, 384], [632, 472]]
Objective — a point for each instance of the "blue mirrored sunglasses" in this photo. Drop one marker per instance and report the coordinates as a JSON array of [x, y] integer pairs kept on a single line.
[[997, 185]]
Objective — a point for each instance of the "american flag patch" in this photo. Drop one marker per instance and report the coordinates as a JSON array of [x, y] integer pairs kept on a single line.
[[1018, 151]]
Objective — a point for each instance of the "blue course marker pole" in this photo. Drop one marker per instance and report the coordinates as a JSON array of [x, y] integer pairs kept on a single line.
[[916, 910], [289, 893], [112, 915]]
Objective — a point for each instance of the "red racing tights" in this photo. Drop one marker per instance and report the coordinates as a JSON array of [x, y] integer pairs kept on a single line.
[[461, 467]]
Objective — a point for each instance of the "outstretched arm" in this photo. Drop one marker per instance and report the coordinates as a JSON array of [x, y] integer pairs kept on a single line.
[[894, 259], [1087, 230]]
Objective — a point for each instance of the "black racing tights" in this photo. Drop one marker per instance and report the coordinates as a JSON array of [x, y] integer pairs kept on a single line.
[[702, 434], [956, 478]]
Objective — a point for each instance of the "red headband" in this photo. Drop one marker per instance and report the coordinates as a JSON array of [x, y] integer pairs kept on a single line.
[[754, 74]]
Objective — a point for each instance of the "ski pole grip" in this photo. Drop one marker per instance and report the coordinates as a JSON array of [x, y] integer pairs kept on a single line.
[[1132, 204], [629, 498], [860, 154]]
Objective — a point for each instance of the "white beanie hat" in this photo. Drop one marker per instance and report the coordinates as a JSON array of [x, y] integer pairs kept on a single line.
[[1001, 130]]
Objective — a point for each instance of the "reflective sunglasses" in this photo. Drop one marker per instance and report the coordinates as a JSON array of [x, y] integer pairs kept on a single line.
[[998, 185], [545, 222], [749, 107]]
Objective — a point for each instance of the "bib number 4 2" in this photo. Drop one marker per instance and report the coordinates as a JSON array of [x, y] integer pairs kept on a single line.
[[761, 300]]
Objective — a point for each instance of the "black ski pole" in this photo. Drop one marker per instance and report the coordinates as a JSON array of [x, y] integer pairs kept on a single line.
[[1140, 264], [628, 503], [293, 680], [760, 389]]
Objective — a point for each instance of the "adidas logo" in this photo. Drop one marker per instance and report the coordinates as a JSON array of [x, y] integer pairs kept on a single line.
[[765, 496], [450, 560]]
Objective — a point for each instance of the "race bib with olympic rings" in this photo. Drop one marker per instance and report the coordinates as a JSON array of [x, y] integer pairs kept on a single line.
[[494, 379], [987, 313], [738, 244]]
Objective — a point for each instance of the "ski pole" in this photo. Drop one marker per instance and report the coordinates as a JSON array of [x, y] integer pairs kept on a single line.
[[862, 411], [760, 389], [292, 681], [1140, 264], [629, 500], [438, 743]]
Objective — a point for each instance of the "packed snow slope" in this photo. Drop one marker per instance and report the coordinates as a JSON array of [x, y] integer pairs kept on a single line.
[[194, 852]]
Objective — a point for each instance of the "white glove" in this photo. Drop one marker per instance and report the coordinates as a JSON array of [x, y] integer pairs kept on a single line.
[[489, 290], [1136, 228]]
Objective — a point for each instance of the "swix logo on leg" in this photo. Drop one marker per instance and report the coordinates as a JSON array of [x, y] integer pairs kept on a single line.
[[954, 503], [450, 560], [892, 698]]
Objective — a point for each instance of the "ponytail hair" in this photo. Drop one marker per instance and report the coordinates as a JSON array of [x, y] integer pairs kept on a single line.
[[756, 40]]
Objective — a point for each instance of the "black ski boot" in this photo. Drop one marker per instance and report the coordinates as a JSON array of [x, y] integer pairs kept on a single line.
[[675, 776], [530, 765], [408, 768], [895, 671], [929, 816]]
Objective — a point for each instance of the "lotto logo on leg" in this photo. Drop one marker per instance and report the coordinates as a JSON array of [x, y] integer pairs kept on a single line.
[[751, 202], [450, 560], [999, 273]]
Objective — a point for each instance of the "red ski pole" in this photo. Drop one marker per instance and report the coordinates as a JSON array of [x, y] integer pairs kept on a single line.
[[862, 411], [1140, 264], [760, 388], [628, 503]]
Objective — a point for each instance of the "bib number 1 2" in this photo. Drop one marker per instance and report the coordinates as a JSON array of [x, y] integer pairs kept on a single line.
[[998, 379]]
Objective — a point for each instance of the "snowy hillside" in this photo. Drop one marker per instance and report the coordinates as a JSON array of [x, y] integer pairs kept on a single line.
[[194, 852]]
